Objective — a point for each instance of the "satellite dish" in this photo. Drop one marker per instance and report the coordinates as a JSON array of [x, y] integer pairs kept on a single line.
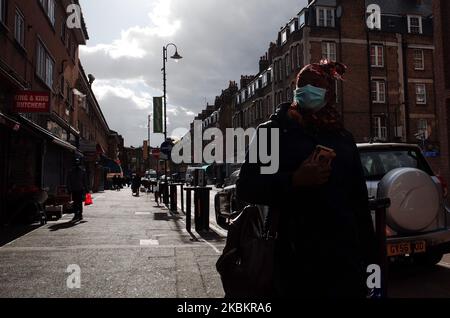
[[339, 12]]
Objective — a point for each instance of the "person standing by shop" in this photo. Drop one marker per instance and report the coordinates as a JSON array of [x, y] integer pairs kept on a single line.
[[77, 185]]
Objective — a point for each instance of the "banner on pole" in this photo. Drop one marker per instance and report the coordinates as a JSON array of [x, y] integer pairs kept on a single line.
[[158, 115]]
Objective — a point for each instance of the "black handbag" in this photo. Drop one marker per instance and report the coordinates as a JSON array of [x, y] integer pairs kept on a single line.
[[246, 266]]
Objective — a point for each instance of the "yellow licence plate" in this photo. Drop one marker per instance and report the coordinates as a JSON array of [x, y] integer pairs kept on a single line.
[[406, 248]]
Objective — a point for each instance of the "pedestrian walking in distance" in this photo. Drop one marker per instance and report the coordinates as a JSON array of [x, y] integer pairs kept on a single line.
[[136, 184], [326, 239], [77, 185], [157, 193]]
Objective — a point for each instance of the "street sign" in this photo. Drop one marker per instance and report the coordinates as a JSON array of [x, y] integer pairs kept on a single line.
[[31, 102], [166, 149]]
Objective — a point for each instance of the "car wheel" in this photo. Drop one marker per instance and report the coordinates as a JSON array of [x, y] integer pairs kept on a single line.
[[429, 259]]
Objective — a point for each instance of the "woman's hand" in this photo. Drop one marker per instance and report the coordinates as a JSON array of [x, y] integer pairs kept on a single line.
[[311, 174]]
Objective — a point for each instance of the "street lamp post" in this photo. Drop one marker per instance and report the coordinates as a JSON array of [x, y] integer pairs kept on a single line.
[[176, 57]]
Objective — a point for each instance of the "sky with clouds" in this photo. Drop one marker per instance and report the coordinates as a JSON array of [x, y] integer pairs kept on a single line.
[[218, 39]]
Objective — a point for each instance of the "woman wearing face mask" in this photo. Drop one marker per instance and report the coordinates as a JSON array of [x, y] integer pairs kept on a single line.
[[326, 236]]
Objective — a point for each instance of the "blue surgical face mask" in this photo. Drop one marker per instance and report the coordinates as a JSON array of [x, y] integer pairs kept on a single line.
[[310, 98]]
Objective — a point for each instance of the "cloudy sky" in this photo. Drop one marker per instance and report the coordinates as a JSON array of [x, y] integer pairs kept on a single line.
[[218, 39]]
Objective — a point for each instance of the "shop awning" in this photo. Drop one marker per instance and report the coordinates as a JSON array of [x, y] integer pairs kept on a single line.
[[9, 122], [65, 144], [46, 134]]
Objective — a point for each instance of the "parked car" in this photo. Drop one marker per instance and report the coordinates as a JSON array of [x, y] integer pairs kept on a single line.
[[418, 219]]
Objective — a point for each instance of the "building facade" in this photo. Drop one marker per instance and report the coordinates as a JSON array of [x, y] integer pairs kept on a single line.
[[46, 118], [388, 94], [441, 13]]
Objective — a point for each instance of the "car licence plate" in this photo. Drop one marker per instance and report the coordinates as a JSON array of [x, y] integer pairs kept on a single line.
[[406, 248]]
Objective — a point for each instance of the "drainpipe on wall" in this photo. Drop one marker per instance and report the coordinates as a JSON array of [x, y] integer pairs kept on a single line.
[[401, 80], [369, 65], [406, 88]]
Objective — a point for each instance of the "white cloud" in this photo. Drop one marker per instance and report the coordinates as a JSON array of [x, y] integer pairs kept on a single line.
[[219, 40], [103, 88], [130, 44]]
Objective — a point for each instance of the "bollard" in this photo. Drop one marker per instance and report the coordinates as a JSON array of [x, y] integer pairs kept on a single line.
[[166, 193], [173, 198], [182, 197], [188, 208], [201, 197]]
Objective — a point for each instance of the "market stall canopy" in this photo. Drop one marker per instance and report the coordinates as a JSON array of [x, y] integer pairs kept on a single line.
[[111, 165]]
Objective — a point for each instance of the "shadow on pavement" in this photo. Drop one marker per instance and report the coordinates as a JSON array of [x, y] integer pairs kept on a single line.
[[212, 236], [64, 226], [11, 233], [413, 281]]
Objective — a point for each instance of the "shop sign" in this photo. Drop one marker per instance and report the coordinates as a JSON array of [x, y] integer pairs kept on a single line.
[[31, 102]]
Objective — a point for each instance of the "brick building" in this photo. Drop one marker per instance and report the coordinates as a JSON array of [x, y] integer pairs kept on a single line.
[[388, 94], [133, 161], [39, 57], [441, 12], [38, 54]]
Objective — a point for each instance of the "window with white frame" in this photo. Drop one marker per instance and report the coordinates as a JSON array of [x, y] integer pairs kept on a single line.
[[419, 60], [294, 57], [377, 55], [422, 127], [3, 11], [292, 27], [378, 91], [280, 69], [329, 51], [421, 94], [287, 64], [380, 128], [283, 37], [49, 8], [415, 24], [301, 20], [44, 64], [325, 17], [19, 27]]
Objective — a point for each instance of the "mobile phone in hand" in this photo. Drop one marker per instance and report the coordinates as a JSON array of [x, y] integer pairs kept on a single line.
[[324, 156]]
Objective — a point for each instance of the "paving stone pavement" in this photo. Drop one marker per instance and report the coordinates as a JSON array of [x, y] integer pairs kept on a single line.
[[126, 247]]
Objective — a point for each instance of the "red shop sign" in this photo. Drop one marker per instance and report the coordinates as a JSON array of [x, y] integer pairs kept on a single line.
[[31, 102]]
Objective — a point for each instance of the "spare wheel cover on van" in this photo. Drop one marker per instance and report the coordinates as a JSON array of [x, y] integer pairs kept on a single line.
[[415, 199]]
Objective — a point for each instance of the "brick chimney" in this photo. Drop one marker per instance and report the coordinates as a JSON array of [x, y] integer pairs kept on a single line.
[[245, 80], [263, 63]]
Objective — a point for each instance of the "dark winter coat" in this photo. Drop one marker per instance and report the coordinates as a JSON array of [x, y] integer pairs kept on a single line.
[[326, 234], [77, 180]]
